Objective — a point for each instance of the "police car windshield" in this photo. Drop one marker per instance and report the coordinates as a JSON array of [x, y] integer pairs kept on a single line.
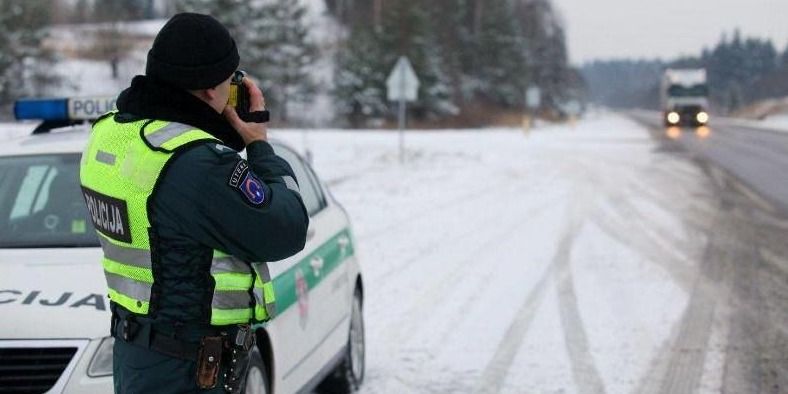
[[40, 203]]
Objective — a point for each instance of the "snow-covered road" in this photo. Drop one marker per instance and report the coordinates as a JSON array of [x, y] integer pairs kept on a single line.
[[580, 259]]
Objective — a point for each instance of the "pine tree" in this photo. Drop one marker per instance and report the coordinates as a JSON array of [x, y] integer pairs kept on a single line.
[[81, 11], [23, 62], [406, 31], [233, 14], [464, 51], [371, 52], [360, 77], [281, 54], [546, 55], [454, 35], [499, 62]]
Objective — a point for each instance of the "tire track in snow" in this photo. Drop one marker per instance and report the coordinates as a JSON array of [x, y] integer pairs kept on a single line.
[[676, 265], [427, 214], [685, 368], [682, 373], [678, 366], [471, 231], [584, 370], [423, 306], [431, 297], [496, 370], [483, 281], [628, 225]]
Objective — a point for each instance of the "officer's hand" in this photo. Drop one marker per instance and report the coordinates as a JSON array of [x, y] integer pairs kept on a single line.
[[249, 131]]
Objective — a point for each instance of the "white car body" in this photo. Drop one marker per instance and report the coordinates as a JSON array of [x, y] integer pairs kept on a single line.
[[53, 298]]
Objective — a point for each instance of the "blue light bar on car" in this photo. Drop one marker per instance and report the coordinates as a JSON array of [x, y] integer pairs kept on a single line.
[[77, 108], [43, 109]]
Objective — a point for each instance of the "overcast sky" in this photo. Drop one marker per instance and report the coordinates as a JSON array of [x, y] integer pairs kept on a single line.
[[603, 29]]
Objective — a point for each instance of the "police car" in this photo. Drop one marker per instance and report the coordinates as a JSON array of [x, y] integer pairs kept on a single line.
[[54, 312]]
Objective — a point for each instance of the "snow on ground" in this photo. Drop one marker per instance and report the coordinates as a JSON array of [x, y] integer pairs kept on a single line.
[[776, 121], [634, 302], [488, 261]]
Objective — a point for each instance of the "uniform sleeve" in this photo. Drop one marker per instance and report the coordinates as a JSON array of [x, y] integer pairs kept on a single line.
[[250, 209]]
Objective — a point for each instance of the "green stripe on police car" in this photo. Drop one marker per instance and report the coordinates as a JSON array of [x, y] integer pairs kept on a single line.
[[333, 253]]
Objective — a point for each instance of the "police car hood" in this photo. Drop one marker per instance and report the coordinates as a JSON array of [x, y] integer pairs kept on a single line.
[[52, 294]]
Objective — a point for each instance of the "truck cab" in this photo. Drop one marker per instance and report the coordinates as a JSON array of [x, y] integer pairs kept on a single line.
[[685, 97]]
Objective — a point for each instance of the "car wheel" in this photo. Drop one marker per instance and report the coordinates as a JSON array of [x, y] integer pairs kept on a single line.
[[256, 380], [349, 375]]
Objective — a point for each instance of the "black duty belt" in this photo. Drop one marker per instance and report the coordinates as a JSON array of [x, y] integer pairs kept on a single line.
[[145, 334]]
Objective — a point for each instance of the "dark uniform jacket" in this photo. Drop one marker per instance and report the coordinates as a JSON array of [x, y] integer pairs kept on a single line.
[[196, 209]]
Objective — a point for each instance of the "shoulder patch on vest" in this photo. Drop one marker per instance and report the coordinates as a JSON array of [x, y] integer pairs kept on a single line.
[[238, 173], [253, 189], [245, 181]]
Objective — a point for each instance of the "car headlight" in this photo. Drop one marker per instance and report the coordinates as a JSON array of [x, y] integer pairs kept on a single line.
[[674, 117], [101, 365], [702, 117]]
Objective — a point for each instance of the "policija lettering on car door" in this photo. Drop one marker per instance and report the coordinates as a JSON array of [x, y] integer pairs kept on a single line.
[[65, 299]]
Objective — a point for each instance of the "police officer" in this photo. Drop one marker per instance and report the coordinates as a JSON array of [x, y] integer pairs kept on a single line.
[[183, 220]]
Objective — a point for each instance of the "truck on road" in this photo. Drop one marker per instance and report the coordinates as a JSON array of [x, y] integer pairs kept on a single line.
[[685, 97]]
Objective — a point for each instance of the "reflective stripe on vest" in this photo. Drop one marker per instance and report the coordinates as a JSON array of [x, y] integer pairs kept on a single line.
[[265, 305], [173, 135], [232, 299], [161, 136]]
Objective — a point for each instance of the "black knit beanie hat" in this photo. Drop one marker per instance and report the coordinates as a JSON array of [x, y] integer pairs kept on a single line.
[[192, 52]]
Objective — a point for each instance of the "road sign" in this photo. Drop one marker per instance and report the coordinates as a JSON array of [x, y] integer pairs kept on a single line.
[[533, 97], [402, 83]]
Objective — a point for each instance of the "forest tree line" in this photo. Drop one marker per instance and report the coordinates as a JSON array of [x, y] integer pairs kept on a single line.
[[474, 58], [741, 71]]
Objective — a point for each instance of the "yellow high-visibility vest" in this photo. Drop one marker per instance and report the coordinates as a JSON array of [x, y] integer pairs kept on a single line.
[[119, 172]]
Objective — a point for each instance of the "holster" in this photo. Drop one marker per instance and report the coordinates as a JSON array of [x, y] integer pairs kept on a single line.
[[237, 360]]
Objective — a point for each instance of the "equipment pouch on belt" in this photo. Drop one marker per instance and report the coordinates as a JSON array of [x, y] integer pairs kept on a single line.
[[208, 358], [237, 360]]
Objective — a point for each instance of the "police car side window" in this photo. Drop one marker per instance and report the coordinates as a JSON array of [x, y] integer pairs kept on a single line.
[[309, 193], [34, 191], [316, 184]]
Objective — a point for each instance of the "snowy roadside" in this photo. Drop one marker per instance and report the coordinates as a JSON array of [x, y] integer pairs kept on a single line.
[[490, 265], [777, 124]]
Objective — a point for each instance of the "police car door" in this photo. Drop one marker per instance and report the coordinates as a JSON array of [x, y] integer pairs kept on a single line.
[[318, 281]]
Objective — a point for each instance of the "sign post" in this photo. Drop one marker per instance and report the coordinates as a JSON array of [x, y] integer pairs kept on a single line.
[[402, 86], [533, 99]]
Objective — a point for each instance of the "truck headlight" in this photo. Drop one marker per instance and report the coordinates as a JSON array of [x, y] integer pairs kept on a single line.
[[101, 365], [702, 117], [674, 118]]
